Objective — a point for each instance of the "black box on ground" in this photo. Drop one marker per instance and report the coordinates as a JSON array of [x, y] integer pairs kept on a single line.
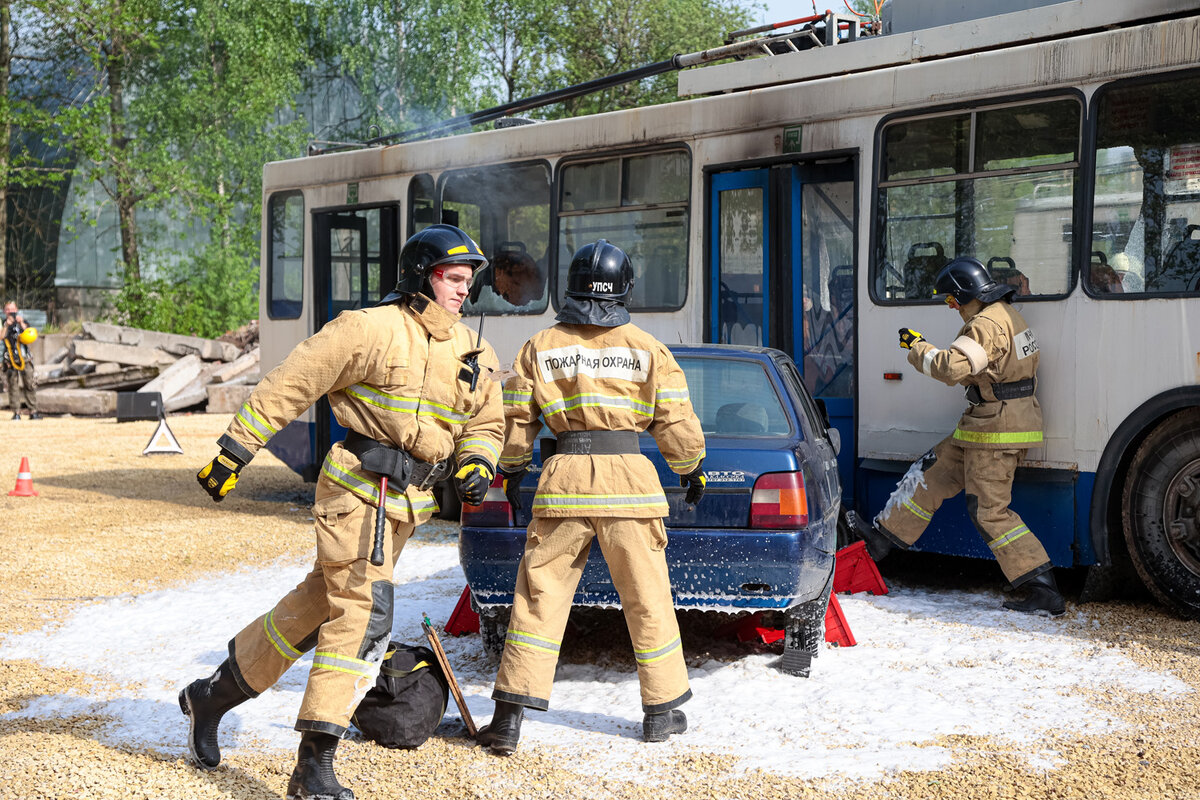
[[139, 405]]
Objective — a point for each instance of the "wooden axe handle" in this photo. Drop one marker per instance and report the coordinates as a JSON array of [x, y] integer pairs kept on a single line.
[[444, 663]]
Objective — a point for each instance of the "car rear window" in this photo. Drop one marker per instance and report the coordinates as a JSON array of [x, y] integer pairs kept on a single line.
[[734, 397]]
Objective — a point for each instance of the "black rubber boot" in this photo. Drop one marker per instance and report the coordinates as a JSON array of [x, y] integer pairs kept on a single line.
[[878, 544], [313, 777], [657, 727], [1041, 597], [205, 701], [504, 731]]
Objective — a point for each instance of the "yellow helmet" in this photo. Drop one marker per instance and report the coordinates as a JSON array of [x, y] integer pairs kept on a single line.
[[28, 336]]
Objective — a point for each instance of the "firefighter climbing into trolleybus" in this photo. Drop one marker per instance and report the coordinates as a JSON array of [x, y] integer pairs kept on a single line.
[[995, 356]]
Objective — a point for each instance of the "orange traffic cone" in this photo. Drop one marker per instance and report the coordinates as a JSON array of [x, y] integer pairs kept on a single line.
[[24, 487]]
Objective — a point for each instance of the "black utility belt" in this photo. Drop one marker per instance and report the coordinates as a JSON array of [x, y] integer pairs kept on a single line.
[[591, 443], [401, 468], [1012, 390]]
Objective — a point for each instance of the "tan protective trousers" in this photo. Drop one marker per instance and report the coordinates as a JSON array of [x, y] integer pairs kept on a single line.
[[987, 477], [556, 549], [343, 608]]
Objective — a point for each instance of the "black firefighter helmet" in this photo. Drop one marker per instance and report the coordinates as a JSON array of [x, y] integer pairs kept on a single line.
[[600, 271], [430, 248], [966, 279]]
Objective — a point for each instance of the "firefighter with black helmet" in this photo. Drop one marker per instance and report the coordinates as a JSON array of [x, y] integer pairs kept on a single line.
[[597, 381], [995, 356], [403, 378]]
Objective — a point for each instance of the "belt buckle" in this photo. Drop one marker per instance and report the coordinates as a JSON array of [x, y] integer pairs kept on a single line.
[[974, 398], [430, 474]]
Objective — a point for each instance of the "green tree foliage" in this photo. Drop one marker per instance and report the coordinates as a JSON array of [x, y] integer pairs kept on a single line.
[[601, 37], [180, 120], [185, 100], [403, 62]]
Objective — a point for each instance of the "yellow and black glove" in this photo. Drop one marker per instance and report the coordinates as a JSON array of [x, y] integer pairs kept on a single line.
[[695, 483], [220, 475], [909, 337], [472, 481], [512, 487]]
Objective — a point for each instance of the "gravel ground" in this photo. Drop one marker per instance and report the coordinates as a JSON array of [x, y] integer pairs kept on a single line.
[[110, 522]]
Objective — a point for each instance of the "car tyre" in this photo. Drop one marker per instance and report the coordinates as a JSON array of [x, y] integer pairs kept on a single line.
[[493, 628], [1160, 512], [803, 632]]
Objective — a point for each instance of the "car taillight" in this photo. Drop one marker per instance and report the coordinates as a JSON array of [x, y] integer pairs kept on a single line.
[[493, 512], [779, 501]]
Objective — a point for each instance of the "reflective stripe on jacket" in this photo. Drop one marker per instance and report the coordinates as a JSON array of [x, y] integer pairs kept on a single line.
[[589, 378], [392, 374], [995, 345]]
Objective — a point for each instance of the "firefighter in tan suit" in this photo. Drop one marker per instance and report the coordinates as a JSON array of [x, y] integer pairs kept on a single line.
[[597, 380], [404, 378], [996, 357]]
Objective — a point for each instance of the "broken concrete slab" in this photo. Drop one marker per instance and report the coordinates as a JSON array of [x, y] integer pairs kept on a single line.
[[177, 344], [175, 377], [241, 365], [226, 398], [133, 355], [122, 380], [80, 402]]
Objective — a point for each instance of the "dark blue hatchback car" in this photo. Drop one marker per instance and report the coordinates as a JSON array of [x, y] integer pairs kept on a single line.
[[764, 535]]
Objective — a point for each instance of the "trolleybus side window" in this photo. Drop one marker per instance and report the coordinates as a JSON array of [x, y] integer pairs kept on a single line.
[[506, 209], [1146, 208], [639, 203], [285, 255], [997, 183], [420, 203]]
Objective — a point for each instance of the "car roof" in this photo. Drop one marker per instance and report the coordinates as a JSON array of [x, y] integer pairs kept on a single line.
[[728, 350]]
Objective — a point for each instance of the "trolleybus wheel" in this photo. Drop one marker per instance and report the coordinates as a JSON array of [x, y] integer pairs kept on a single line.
[[1160, 512]]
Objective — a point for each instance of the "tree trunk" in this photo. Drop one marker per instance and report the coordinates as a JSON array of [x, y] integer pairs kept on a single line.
[[5, 135], [126, 201]]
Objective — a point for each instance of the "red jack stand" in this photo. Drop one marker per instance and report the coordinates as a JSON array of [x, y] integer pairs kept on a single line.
[[463, 619], [837, 630], [854, 571]]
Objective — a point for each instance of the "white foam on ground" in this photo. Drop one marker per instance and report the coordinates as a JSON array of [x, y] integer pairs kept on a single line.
[[926, 664]]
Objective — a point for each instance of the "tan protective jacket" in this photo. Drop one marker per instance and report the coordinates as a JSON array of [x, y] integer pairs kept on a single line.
[[994, 346], [392, 374], [591, 378]]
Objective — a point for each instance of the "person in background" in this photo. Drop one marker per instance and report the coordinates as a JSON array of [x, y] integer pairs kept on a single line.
[[996, 357], [18, 365]]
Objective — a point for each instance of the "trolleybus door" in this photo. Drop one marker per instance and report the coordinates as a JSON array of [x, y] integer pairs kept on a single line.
[[354, 262], [822, 263], [782, 275]]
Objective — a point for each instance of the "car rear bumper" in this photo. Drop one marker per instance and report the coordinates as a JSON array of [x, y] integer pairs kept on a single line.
[[718, 569]]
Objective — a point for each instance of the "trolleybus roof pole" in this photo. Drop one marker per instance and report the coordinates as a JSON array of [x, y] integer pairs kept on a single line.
[[759, 46]]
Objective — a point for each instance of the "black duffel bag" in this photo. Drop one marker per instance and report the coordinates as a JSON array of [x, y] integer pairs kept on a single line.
[[408, 700]]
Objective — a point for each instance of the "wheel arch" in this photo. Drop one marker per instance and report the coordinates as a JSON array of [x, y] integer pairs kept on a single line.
[[1104, 517]]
